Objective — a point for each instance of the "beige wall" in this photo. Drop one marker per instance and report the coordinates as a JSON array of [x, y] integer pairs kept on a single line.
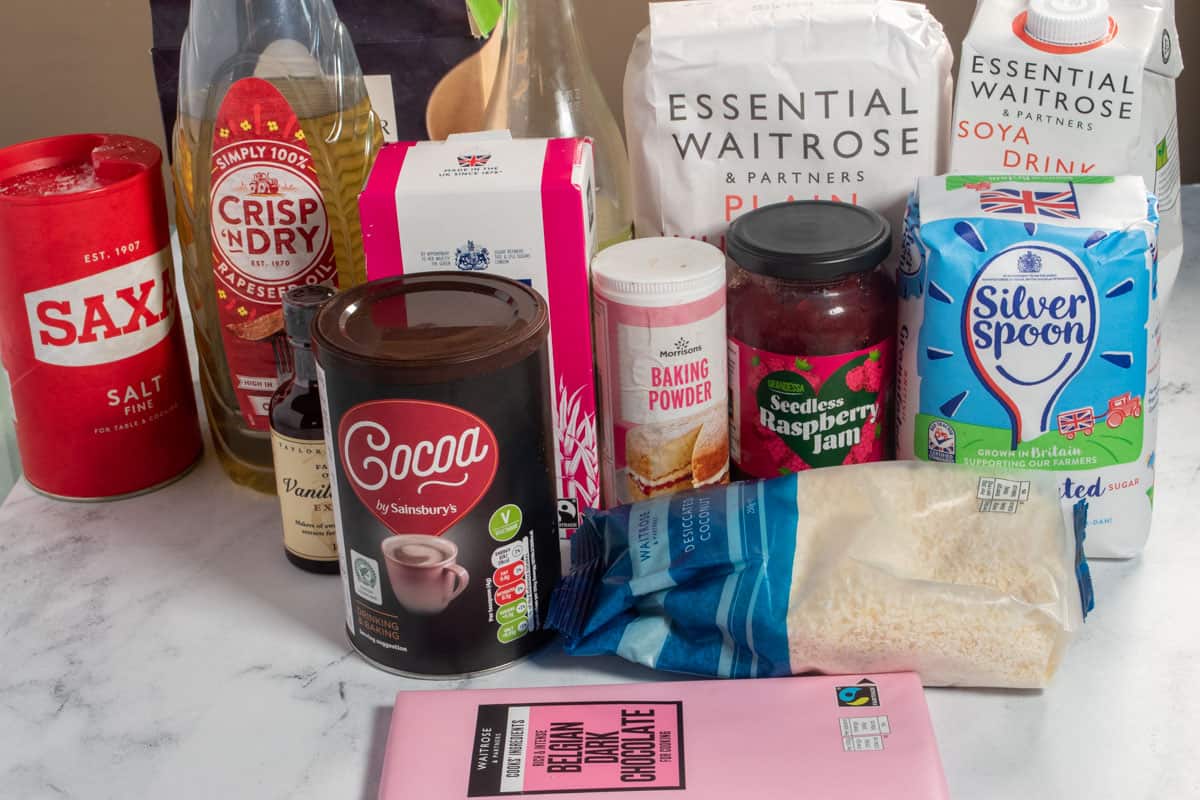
[[75, 65]]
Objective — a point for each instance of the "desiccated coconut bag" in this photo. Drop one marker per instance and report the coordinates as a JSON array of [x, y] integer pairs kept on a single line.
[[735, 104]]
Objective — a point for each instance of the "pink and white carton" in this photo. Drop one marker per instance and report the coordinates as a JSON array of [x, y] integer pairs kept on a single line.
[[860, 736], [521, 208]]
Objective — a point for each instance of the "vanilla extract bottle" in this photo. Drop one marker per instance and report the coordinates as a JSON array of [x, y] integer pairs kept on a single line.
[[298, 441]]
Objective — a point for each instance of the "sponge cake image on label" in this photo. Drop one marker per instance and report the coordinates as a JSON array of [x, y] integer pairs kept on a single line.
[[675, 456]]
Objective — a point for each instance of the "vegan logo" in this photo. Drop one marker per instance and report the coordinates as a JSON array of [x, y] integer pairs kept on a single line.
[[472, 258], [474, 160], [1062, 204], [859, 696], [1028, 332]]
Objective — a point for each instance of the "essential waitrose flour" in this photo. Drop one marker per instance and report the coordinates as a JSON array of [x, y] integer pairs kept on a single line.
[[1081, 87], [1029, 339], [736, 104]]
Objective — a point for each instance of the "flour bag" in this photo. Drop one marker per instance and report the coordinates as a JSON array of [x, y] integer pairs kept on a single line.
[[1029, 338], [1075, 87], [735, 104]]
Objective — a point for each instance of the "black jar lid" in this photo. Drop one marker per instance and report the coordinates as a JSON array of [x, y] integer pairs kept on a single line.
[[809, 240]]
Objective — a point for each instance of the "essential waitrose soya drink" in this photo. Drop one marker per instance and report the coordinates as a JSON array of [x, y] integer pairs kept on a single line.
[[1029, 339], [520, 208], [275, 137], [1084, 87]]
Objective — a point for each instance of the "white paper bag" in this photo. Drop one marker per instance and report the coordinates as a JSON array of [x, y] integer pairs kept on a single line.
[[735, 104]]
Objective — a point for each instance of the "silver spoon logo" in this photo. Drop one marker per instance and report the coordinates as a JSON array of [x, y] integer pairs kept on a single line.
[[1029, 327]]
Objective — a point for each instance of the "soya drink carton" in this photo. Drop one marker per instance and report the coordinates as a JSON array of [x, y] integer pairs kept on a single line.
[[1079, 87]]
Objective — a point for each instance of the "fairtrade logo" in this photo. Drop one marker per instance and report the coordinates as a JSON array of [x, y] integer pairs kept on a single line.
[[1029, 327], [419, 467], [864, 694]]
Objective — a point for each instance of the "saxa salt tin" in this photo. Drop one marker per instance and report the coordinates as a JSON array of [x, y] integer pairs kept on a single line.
[[435, 390]]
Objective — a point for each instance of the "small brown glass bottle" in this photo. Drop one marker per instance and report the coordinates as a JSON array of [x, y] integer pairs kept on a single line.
[[298, 442]]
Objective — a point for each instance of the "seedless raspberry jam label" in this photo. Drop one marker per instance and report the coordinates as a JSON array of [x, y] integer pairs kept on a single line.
[[269, 230], [560, 748], [793, 412]]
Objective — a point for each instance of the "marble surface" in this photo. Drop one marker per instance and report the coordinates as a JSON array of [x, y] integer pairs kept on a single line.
[[163, 647]]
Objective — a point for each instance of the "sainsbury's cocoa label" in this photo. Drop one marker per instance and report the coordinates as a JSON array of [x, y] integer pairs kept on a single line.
[[269, 229], [418, 466]]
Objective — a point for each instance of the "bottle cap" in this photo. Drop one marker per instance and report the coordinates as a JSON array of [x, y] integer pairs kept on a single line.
[[300, 305], [659, 271], [809, 240], [1068, 22]]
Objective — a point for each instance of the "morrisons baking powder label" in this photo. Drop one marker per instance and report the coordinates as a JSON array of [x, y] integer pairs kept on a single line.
[[270, 232]]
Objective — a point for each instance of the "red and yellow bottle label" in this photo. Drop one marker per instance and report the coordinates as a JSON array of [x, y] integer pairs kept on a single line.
[[269, 229]]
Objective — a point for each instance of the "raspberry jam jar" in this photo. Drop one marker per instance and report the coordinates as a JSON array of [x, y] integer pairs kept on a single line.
[[812, 325]]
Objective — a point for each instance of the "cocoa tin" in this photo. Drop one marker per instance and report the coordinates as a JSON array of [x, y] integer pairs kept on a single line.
[[436, 395]]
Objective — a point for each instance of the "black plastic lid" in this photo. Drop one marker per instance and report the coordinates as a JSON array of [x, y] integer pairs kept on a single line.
[[300, 306], [809, 240]]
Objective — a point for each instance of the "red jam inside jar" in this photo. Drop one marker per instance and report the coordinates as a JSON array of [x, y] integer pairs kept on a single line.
[[812, 325]]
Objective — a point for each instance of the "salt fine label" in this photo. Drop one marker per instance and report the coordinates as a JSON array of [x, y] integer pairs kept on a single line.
[[270, 232]]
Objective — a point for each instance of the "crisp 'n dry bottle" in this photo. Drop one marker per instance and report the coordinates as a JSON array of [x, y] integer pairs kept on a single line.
[[274, 139]]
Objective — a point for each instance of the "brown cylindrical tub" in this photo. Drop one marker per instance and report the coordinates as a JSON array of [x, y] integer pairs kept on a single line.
[[437, 402]]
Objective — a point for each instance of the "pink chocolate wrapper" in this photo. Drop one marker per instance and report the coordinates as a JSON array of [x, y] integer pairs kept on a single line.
[[854, 736]]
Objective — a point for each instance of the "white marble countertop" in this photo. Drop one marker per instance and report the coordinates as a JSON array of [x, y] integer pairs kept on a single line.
[[163, 647]]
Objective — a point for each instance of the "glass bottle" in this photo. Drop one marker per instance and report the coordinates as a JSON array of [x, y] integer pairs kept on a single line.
[[298, 441], [545, 88], [274, 139]]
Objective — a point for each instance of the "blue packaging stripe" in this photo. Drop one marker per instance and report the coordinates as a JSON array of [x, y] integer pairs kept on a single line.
[[697, 583]]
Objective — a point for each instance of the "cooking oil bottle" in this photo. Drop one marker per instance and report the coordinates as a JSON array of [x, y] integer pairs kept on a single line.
[[274, 139]]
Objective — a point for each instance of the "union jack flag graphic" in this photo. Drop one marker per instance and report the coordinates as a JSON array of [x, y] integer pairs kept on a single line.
[[1056, 205], [473, 161], [1076, 421]]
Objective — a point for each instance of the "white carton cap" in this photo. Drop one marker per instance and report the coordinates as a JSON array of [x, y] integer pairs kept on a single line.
[[1068, 22], [658, 272]]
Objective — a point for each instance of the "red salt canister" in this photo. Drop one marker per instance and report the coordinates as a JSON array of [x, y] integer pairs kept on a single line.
[[90, 332]]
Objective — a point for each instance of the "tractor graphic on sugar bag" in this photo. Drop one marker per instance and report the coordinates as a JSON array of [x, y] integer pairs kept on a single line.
[[1083, 420]]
